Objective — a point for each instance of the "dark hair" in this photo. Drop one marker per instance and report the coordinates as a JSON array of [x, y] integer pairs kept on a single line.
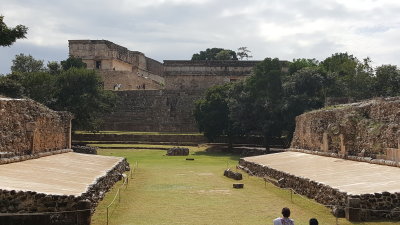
[[285, 212], [313, 221]]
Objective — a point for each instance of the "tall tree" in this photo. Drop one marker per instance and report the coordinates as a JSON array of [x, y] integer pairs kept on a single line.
[[387, 80], [26, 64], [9, 35], [265, 92], [79, 91], [243, 52], [212, 112]]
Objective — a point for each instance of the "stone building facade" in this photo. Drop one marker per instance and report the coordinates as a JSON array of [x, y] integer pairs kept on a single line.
[[154, 96]]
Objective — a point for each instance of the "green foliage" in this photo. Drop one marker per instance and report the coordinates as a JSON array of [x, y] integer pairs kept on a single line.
[[10, 88], [243, 52], [39, 86], [212, 112], [72, 62], [9, 35], [215, 54], [299, 64], [79, 91], [26, 64], [342, 64], [387, 80], [53, 67]]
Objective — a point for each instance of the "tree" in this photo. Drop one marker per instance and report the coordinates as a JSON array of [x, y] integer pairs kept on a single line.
[[72, 62], [226, 55], [54, 67], [352, 78], [212, 112], [211, 54], [79, 91], [26, 64], [265, 93], [243, 52], [9, 35], [39, 86], [299, 64], [304, 90], [10, 88], [387, 80]]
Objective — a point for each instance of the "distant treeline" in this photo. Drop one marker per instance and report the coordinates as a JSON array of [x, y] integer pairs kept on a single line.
[[268, 101]]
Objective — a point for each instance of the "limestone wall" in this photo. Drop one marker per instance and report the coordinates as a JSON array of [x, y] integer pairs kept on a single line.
[[154, 110], [123, 80], [200, 75], [27, 127], [366, 129]]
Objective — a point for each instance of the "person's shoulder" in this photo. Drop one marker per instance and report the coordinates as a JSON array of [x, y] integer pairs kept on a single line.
[[277, 221]]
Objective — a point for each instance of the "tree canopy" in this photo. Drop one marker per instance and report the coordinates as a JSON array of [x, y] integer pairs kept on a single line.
[[10, 35], [267, 102], [26, 64], [215, 54]]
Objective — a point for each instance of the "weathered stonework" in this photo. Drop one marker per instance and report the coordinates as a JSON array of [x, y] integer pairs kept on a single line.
[[40, 208], [200, 75], [181, 82], [29, 128], [120, 68], [156, 110], [365, 129], [178, 151], [368, 207]]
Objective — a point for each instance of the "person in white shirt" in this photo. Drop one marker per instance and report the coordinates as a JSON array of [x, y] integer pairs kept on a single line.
[[285, 220]]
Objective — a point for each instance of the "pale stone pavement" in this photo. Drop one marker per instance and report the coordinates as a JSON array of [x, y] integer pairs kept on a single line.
[[347, 176], [61, 174]]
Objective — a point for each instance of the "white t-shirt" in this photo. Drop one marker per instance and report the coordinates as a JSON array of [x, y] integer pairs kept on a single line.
[[283, 221]]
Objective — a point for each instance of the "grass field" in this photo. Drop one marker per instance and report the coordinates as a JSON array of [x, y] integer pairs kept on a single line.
[[172, 190]]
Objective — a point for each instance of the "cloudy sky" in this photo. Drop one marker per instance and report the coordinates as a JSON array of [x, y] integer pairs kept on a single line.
[[175, 29]]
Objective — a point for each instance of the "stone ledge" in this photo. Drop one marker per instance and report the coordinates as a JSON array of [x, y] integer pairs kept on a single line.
[[375, 206], [33, 156], [349, 157]]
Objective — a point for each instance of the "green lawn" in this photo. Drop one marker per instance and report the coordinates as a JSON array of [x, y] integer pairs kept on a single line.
[[171, 190]]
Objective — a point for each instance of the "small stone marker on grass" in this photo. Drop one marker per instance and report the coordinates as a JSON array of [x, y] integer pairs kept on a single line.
[[177, 151], [237, 186], [234, 175]]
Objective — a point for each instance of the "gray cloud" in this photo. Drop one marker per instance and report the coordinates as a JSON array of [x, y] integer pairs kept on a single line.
[[175, 29]]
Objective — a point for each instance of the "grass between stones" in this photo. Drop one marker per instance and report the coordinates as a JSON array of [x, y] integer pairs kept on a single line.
[[172, 190]]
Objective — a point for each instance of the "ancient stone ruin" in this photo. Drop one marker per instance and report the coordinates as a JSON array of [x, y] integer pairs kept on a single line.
[[178, 151], [58, 186], [154, 96], [29, 128], [367, 131]]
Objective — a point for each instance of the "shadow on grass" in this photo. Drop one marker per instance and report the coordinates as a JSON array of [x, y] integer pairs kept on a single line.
[[231, 155]]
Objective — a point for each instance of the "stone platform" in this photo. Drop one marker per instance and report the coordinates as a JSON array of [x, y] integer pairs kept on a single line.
[[62, 174], [335, 182], [58, 189]]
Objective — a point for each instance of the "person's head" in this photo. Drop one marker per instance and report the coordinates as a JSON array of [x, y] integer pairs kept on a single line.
[[285, 212], [313, 221]]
